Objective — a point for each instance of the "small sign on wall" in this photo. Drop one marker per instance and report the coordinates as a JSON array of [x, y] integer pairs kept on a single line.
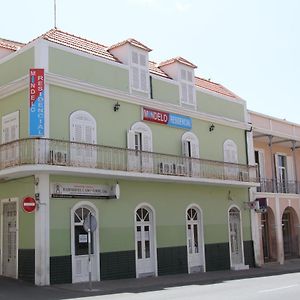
[[166, 118]]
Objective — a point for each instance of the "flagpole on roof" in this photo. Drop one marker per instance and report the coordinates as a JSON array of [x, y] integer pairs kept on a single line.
[[55, 14]]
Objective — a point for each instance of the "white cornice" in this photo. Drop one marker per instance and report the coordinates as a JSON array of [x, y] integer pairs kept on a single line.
[[88, 88], [151, 103], [23, 171], [13, 87]]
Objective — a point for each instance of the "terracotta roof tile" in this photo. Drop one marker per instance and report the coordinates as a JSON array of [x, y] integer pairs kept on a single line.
[[177, 59], [78, 43], [153, 68], [132, 42], [214, 87], [75, 42], [10, 45]]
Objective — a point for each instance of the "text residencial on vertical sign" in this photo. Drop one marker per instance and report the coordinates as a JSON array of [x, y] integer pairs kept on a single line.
[[36, 102]]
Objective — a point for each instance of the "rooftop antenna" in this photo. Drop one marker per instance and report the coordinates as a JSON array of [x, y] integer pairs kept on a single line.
[[55, 14]]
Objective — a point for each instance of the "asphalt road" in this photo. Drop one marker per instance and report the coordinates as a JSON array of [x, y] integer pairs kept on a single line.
[[277, 287]]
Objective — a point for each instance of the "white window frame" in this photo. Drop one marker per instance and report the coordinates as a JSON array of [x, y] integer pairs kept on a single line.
[[140, 70], [189, 84]]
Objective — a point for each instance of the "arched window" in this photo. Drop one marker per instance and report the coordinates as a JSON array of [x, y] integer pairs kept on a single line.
[[230, 151], [83, 127], [139, 138], [83, 130], [190, 149], [190, 145]]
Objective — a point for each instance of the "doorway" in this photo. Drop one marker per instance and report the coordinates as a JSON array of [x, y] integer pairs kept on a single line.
[[195, 246], [79, 244], [145, 242], [9, 243]]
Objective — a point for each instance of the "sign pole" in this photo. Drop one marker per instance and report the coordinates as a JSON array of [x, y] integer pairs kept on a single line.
[[89, 251]]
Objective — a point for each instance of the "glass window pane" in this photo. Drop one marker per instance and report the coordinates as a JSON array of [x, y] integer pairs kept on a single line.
[[147, 249], [81, 241], [139, 249], [196, 238]]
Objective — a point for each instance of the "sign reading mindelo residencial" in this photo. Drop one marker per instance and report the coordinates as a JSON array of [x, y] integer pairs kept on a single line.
[[36, 103], [166, 118]]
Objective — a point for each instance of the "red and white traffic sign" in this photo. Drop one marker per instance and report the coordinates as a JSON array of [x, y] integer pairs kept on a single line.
[[29, 204]]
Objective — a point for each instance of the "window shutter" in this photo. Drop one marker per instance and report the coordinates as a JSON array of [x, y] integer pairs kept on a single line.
[[183, 75], [190, 94], [230, 152], [135, 57], [189, 76], [130, 139], [78, 134], [261, 161], [143, 60], [143, 80], [146, 142], [88, 134], [195, 149], [290, 168], [135, 78], [10, 127], [184, 97], [276, 161]]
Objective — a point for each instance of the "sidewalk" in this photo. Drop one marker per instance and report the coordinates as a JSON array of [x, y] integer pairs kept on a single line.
[[156, 283]]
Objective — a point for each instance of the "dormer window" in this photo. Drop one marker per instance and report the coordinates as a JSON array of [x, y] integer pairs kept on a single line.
[[135, 55], [187, 87], [139, 71], [182, 71]]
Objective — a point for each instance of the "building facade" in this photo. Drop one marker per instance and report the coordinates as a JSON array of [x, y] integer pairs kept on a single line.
[[275, 151], [156, 155]]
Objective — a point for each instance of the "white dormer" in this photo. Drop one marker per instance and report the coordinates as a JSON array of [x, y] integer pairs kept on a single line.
[[136, 56], [182, 71]]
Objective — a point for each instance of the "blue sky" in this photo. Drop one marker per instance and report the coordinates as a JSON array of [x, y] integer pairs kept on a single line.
[[250, 46]]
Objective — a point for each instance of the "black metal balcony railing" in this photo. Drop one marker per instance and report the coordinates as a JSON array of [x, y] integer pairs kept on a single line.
[[73, 154], [274, 186]]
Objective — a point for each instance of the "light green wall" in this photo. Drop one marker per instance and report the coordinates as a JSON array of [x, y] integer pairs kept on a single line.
[[112, 126], [16, 67], [165, 92], [169, 200], [219, 107], [19, 189], [15, 102], [88, 70]]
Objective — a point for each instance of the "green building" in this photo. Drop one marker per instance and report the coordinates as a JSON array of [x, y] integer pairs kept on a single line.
[[155, 155]]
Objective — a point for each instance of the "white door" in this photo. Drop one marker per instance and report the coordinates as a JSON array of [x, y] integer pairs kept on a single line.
[[144, 239], [194, 241], [236, 250], [80, 263], [231, 156], [9, 239]]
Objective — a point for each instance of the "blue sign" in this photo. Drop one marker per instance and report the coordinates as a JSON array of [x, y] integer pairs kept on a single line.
[[180, 121], [36, 103]]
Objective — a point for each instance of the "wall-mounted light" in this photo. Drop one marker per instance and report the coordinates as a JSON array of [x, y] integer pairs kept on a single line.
[[117, 106], [211, 127]]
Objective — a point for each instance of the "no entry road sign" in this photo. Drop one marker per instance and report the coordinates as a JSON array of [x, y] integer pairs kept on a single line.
[[29, 204]]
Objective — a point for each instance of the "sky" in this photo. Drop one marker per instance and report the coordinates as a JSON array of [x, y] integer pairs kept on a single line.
[[252, 47]]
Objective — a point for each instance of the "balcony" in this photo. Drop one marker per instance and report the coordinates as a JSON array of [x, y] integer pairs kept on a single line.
[[274, 186], [42, 153]]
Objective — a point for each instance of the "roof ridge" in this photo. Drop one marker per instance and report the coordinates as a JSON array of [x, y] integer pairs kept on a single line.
[[73, 35]]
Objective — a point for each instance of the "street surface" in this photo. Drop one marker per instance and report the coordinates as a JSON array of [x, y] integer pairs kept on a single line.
[[285, 286]]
